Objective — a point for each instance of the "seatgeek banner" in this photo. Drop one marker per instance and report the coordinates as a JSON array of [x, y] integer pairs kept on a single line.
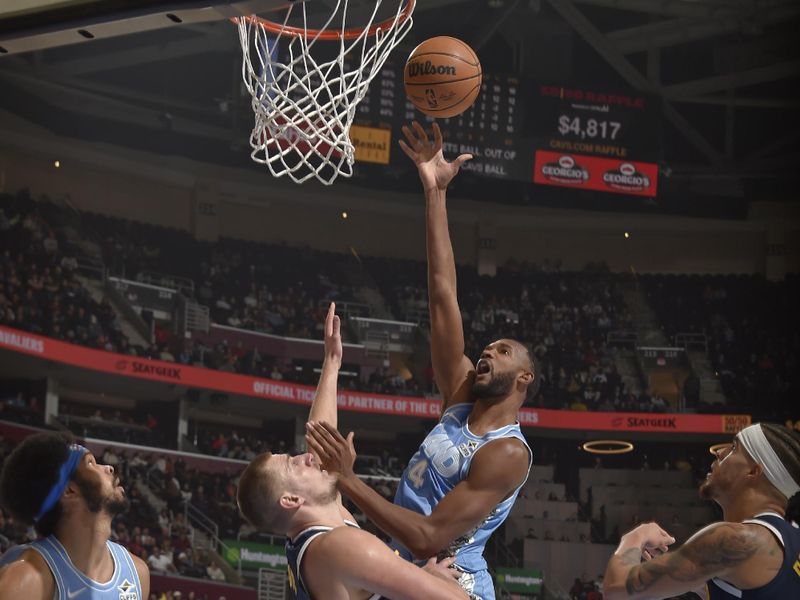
[[245, 385]]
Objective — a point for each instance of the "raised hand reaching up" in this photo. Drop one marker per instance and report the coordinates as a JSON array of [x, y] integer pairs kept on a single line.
[[434, 171]]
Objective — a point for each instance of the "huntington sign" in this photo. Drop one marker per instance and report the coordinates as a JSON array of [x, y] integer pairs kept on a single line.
[[254, 555], [520, 581]]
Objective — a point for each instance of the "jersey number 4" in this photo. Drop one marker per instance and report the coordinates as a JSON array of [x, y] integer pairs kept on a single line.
[[416, 474], [444, 457]]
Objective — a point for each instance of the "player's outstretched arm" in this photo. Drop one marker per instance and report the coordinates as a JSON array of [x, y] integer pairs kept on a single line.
[[458, 513], [362, 561], [324, 405], [452, 370], [323, 408], [29, 578], [719, 550]]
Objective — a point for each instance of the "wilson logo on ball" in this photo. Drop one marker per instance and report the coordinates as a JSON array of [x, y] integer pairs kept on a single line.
[[417, 69]]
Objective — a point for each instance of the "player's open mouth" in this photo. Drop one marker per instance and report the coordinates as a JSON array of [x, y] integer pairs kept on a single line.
[[483, 367]]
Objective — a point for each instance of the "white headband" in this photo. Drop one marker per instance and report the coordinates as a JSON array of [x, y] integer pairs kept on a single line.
[[757, 446]]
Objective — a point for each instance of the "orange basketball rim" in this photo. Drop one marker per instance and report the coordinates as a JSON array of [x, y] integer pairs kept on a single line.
[[330, 34]]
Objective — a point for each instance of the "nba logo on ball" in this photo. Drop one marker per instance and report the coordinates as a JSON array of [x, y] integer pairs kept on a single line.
[[443, 77]]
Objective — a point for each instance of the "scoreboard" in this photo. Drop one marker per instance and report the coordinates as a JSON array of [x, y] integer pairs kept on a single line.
[[521, 130], [588, 121]]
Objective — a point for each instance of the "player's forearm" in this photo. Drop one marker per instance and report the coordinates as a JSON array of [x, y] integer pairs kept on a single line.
[[627, 557], [409, 528], [441, 261], [323, 408]]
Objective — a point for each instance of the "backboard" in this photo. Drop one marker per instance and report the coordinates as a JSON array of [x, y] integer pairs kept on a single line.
[[28, 25]]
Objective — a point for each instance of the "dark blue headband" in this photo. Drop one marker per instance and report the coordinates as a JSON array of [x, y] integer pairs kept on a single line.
[[76, 452]]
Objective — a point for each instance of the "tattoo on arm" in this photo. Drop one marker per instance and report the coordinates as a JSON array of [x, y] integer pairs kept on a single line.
[[721, 548], [631, 557]]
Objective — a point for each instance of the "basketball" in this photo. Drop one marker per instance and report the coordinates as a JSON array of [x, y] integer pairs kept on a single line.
[[442, 77]]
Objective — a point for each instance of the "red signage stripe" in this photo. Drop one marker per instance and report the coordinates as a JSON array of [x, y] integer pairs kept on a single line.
[[157, 370]]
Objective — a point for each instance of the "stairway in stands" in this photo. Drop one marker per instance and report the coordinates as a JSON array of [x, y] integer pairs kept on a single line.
[[644, 319], [97, 291]]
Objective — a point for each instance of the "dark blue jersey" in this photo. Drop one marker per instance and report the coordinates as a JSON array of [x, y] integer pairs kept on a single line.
[[295, 550], [786, 584]]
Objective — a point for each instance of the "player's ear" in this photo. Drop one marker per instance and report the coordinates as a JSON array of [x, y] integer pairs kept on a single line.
[[291, 501], [71, 495], [525, 377], [756, 470], [71, 489]]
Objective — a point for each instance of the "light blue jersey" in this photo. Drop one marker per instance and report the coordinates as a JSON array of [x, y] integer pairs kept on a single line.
[[443, 461], [71, 584]]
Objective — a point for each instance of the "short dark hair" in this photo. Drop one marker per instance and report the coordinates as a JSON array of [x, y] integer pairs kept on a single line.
[[29, 472], [533, 388], [786, 444], [257, 496]]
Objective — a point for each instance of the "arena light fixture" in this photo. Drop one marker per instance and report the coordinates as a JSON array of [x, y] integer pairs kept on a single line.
[[607, 447]]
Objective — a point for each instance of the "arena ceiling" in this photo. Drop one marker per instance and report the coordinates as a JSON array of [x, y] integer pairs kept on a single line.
[[725, 71]]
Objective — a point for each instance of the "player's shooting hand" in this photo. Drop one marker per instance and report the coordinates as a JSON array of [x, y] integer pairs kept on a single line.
[[434, 171], [336, 454], [333, 337]]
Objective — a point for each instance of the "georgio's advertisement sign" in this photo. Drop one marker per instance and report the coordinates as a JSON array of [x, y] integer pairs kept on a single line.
[[595, 173]]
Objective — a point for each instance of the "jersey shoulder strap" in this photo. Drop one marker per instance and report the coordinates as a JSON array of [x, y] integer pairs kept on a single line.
[[299, 545], [311, 534]]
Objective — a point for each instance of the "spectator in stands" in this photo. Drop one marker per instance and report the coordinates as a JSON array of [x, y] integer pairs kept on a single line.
[[147, 541], [186, 565], [110, 457], [214, 572], [576, 591], [161, 561], [137, 463]]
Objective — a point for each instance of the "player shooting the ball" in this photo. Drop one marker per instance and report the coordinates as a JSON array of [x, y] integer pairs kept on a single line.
[[462, 482]]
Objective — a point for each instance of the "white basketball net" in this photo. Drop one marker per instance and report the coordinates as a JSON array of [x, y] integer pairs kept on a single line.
[[304, 107]]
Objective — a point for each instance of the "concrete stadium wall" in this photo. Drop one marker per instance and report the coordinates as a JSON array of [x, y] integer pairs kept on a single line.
[[211, 201]]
